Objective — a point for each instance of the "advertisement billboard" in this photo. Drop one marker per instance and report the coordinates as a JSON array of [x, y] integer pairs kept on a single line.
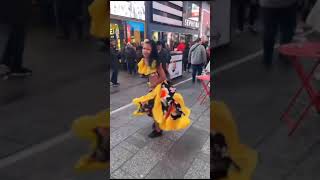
[[130, 9], [191, 14]]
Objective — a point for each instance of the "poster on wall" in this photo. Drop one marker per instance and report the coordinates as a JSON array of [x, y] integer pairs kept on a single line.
[[175, 67]]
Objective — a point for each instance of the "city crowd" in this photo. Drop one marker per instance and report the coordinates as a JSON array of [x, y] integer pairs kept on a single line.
[[195, 56]]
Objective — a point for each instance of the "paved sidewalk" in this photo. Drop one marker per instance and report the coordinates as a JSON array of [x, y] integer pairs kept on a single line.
[[183, 154], [257, 98]]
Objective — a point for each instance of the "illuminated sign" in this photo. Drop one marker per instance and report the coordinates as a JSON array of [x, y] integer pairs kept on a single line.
[[190, 23], [131, 9], [191, 15]]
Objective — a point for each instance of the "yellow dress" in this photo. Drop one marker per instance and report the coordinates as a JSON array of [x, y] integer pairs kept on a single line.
[[83, 128], [163, 103], [244, 156]]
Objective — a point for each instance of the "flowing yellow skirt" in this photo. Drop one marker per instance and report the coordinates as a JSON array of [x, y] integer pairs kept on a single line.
[[83, 128], [166, 106]]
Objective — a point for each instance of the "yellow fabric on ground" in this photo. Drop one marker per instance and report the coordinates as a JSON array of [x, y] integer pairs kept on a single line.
[[83, 128], [245, 157]]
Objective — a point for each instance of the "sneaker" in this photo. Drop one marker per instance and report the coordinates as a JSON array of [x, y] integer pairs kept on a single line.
[[21, 72], [155, 134], [115, 84]]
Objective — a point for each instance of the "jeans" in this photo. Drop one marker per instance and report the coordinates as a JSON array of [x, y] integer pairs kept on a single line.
[[131, 66], [114, 77], [277, 19], [196, 70], [14, 47]]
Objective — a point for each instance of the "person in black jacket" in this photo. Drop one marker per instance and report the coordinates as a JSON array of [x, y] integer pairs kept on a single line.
[[185, 58], [130, 54], [15, 16], [164, 57], [114, 63], [69, 14]]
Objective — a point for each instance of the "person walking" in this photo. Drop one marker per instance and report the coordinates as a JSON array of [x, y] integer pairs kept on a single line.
[[130, 55], [185, 58], [278, 15], [114, 63], [69, 14], [14, 17], [253, 15], [198, 57]]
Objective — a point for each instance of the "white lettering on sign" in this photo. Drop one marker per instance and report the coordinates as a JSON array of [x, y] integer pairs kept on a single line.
[[189, 23]]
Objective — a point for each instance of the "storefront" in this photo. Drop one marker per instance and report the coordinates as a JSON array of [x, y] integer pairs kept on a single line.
[[171, 22], [127, 22]]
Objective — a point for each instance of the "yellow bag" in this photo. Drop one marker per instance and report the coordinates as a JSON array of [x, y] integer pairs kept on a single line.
[[245, 157], [83, 128], [99, 18]]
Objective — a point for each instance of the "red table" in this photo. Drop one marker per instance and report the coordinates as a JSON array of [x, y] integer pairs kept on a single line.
[[296, 51], [206, 90]]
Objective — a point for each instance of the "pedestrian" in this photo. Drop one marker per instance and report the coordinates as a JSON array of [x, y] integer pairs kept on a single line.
[[278, 15], [14, 19], [181, 46], [114, 63], [162, 103], [242, 6], [69, 15], [130, 55], [185, 58], [253, 15], [123, 55], [134, 45], [198, 57], [139, 53], [164, 58]]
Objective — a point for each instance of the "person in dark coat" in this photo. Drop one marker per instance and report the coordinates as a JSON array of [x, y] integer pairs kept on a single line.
[[130, 54], [185, 58], [164, 57], [114, 63], [14, 17], [69, 14]]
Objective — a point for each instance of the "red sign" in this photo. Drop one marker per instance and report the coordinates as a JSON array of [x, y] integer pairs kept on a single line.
[[129, 33]]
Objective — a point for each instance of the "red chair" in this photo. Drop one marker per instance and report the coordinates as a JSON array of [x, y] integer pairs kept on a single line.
[[205, 81]]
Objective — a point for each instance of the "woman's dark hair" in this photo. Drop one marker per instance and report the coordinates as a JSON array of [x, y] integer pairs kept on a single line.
[[154, 52]]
